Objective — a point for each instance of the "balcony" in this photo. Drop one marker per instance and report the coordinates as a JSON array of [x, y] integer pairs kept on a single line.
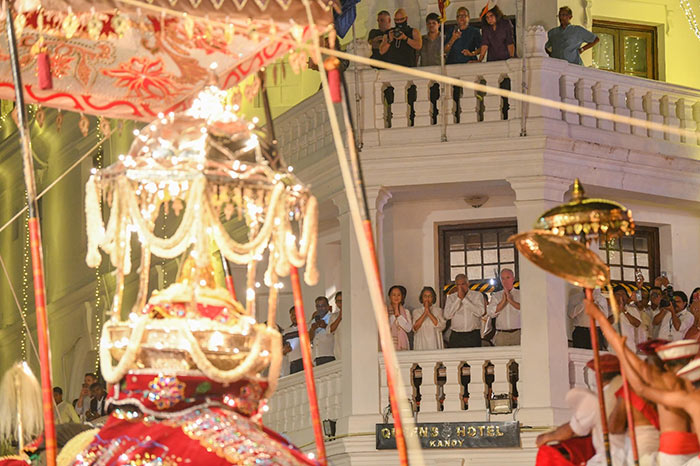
[[413, 130]]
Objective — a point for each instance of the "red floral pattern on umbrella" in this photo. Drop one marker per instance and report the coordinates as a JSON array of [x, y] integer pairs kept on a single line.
[[145, 78]]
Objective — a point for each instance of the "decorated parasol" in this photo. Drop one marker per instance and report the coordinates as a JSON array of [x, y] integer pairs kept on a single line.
[[135, 59], [559, 245], [139, 60]]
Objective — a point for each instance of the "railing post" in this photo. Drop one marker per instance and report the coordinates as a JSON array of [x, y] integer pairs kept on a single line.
[[567, 91], [684, 111], [452, 390], [429, 387], [619, 103], [492, 103], [601, 97], [652, 107], [422, 104], [584, 95], [667, 107], [635, 102]]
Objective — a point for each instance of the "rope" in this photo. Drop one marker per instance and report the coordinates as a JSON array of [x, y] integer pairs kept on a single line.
[[60, 177], [19, 307]]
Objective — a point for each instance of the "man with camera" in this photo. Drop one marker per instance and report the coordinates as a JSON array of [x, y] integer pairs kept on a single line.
[[401, 43], [320, 334], [673, 319]]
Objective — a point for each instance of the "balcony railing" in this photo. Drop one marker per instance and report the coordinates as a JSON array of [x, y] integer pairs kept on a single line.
[[455, 381], [305, 132], [289, 406]]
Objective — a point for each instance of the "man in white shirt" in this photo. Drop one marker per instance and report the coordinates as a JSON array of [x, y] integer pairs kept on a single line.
[[464, 309], [505, 307], [84, 399], [581, 336], [66, 412], [321, 337], [675, 319], [336, 329], [290, 346], [585, 418], [630, 320]]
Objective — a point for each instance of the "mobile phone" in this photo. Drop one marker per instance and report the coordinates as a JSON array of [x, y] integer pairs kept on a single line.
[[639, 295], [664, 274]]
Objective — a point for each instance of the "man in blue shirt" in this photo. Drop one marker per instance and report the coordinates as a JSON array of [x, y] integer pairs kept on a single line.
[[565, 42], [464, 40]]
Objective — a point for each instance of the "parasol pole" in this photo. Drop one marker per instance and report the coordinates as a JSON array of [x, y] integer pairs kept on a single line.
[[35, 246], [305, 346], [599, 382], [628, 406], [304, 341]]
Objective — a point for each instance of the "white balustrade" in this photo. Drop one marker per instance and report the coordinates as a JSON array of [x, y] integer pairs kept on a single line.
[[389, 103], [289, 405], [453, 360]]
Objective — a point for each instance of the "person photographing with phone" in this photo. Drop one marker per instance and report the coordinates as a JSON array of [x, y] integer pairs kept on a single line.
[[320, 334]]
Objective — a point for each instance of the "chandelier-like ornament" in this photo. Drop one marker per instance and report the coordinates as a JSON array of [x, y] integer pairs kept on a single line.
[[208, 167]]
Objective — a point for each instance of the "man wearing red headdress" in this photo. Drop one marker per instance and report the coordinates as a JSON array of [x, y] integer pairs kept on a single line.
[[677, 443], [585, 420]]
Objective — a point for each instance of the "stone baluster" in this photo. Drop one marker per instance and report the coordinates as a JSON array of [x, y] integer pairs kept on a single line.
[[618, 98], [500, 383], [667, 108], [429, 388], [400, 110], [567, 85], [469, 105], [422, 106], [381, 108], [652, 106], [492, 102], [583, 90], [601, 97], [452, 389], [684, 111], [635, 102]]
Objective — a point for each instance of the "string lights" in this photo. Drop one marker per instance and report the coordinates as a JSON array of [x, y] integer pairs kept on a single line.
[[25, 285], [98, 162], [690, 15]]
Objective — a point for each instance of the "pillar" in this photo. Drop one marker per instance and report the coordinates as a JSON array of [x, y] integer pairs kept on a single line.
[[360, 380], [544, 375]]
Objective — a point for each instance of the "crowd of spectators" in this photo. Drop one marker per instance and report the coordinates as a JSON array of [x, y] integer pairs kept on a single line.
[[89, 406], [646, 313], [470, 318], [462, 43]]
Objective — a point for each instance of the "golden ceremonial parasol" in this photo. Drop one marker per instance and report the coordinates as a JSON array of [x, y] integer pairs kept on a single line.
[[559, 244]]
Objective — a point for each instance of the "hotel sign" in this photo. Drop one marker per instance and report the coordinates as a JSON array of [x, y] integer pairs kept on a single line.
[[449, 435]]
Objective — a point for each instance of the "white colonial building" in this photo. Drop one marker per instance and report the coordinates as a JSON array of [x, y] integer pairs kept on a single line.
[[440, 206]]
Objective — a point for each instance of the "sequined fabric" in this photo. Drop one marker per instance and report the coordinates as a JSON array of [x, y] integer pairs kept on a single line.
[[207, 436]]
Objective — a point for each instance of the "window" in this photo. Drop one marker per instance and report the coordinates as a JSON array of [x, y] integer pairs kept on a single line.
[[478, 251], [626, 48], [628, 254]]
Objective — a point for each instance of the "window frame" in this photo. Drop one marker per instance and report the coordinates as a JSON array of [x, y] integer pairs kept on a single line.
[[444, 262], [620, 28], [653, 251]]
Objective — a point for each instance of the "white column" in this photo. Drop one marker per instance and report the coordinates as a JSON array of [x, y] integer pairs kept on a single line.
[[544, 375], [360, 400]]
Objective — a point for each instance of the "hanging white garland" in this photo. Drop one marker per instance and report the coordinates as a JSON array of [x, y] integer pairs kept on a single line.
[[690, 15]]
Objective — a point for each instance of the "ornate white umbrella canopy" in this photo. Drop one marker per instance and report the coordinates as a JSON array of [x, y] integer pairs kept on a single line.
[[134, 59]]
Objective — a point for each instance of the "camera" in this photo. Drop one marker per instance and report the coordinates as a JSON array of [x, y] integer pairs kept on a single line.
[[401, 29], [667, 297]]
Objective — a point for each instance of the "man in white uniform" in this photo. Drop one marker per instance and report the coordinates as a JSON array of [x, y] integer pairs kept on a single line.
[[465, 308], [505, 307], [290, 347]]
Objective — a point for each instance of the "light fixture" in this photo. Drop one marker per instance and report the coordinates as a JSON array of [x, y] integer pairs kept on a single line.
[[501, 404], [476, 201], [329, 428]]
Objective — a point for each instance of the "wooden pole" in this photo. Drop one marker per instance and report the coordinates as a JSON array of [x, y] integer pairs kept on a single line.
[[305, 346], [35, 247], [599, 383]]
